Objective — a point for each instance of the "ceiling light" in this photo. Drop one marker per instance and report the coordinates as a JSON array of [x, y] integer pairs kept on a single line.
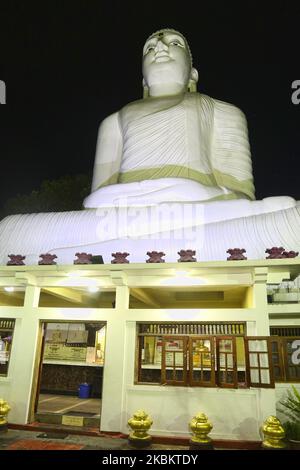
[[9, 289], [93, 289]]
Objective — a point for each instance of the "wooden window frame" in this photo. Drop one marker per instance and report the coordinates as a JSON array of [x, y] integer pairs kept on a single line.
[[259, 368], [138, 359], [7, 325], [281, 364], [187, 367], [283, 358], [226, 384], [164, 367], [286, 355], [202, 383]]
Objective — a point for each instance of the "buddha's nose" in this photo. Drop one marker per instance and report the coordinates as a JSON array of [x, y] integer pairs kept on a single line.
[[161, 46]]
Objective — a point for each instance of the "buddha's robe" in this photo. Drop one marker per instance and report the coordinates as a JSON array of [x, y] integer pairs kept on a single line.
[[178, 150], [191, 137]]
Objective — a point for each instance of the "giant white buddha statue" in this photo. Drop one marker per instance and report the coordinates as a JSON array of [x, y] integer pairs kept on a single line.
[[172, 171]]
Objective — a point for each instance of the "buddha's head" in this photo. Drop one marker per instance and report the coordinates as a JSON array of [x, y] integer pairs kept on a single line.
[[167, 64]]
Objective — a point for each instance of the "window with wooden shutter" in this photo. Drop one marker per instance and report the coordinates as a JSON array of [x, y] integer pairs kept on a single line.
[[202, 361], [174, 360], [226, 362], [259, 361], [164, 356], [148, 360], [286, 356], [277, 359], [291, 358], [6, 337]]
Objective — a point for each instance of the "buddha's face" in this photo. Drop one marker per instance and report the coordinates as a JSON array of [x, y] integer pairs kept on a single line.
[[166, 59]]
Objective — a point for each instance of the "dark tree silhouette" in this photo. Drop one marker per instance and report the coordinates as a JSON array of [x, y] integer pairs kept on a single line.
[[63, 194]]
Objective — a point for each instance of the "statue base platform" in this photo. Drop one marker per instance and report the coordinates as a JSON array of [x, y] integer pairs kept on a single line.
[[274, 448], [3, 428], [200, 446], [140, 443], [210, 229]]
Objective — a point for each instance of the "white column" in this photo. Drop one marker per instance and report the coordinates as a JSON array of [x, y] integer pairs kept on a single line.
[[122, 298], [113, 379], [266, 398], [261, 301], [25, 355]]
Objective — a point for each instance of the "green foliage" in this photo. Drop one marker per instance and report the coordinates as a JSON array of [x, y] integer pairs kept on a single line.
[[64, 194], [292, 430], [290, 407]]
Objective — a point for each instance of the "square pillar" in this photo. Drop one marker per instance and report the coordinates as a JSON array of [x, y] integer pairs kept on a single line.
[[25, 351], [114, 373], [261, 301]]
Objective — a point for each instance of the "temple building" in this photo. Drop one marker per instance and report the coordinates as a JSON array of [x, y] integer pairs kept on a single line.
[[172, 291], [173, 339]]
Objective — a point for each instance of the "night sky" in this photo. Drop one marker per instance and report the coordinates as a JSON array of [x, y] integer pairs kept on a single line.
[[69, 64]]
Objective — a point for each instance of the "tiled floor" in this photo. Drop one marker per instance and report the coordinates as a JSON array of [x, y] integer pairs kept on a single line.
[[32, 440], [63, 404], [57, 437]]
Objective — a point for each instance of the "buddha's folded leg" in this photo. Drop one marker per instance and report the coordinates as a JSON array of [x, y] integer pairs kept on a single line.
[[138, 230]]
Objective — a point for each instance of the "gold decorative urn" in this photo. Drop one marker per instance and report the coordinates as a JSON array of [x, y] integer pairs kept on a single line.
[[4, 410], [140, 424], [200, 427], [273, 434]]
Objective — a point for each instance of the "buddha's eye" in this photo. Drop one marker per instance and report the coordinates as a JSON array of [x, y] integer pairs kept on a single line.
[[175, 43], [149, 49]]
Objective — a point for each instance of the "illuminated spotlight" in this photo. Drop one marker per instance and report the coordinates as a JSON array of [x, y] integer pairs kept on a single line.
[[93, 289], [181, 273], [9, 289], [183, 278], [74, 274]]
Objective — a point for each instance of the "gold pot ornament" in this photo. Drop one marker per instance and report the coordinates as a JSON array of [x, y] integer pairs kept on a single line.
[[273, 434], [200, 427], [4, 410], [140, 424]]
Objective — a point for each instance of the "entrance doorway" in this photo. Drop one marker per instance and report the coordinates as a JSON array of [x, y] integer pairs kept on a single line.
[[69, 384]]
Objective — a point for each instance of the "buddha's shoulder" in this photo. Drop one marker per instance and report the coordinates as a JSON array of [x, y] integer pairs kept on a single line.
[[133, 105], [220, 109], [110, 122], [224, 108], [144, 106], [114, 117]]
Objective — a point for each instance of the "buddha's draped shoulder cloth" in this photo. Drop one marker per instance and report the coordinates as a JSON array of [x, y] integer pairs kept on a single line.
[[188, 136]]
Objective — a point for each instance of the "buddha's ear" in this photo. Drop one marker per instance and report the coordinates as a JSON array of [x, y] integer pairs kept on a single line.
[[145, 90], [192, 85]]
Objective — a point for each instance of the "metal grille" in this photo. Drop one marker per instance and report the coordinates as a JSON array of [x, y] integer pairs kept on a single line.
[[237, 328], [285, 330], [7, 324]]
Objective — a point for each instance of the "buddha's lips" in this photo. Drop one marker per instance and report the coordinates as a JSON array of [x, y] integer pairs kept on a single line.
[[162, 57]]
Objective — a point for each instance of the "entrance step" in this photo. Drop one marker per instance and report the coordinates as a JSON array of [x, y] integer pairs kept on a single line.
[[71, 418]]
